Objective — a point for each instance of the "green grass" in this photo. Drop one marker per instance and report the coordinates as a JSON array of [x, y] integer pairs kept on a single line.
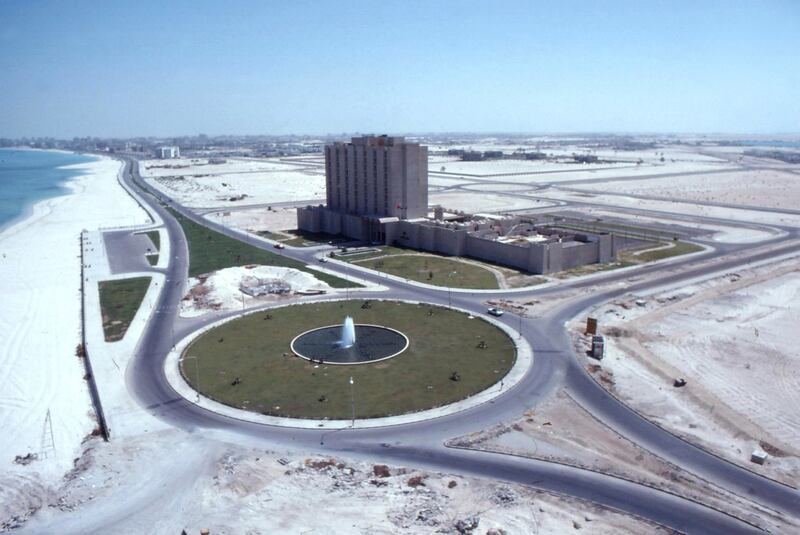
[[410, 264], [303, 238], [270, 235], [678, 248], [381, 250], [647, 253], [435, 270], [119, 301], [622, 230], [257, 351], [155, 237], [152, 259], [211, 251], [589, 269]]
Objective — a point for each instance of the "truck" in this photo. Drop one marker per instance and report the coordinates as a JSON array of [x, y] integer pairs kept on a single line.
[[598, 347]]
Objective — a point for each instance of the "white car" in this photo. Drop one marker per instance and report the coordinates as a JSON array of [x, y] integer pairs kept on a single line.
[[494, 311], [323, 259]]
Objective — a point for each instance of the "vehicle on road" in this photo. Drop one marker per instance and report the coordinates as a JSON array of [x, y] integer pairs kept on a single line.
[[494, 311], [323, 259], [279, 246]]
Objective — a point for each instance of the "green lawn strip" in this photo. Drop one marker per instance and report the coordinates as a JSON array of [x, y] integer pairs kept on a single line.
[[382, 250], [616, 228], [270, 235], [155, 237], [524, 281], [650, 253], [678, 248], [589, 269], [211, 251], [435, 270], [303, 237], [119, 301], [257, 351], [152, 259]]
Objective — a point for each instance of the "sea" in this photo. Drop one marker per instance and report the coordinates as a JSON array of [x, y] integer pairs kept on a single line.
[[29, 176]]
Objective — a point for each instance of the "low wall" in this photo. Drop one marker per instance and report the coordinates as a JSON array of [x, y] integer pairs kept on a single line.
[[539, 258], [87, 362]]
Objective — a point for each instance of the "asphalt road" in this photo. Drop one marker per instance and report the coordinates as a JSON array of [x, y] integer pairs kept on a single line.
[[422, 444]]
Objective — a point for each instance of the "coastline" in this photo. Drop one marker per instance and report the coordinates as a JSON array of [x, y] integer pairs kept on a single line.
[[40, 270], [36, 208]]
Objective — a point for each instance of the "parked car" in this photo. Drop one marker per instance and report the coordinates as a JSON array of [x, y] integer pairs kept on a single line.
[[494, 311]]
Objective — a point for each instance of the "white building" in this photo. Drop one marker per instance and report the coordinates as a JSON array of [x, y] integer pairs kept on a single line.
[[167, 153]]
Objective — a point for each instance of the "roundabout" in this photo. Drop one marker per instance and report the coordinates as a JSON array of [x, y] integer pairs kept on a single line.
[[448, 360]]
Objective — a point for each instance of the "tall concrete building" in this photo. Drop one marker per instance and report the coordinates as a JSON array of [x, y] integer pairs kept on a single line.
[[377, 176], [369, 181]]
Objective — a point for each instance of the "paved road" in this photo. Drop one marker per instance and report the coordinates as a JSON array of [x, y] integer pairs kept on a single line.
[[421, 444]]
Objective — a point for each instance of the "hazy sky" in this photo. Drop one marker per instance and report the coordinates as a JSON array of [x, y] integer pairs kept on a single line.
[[173, 67]]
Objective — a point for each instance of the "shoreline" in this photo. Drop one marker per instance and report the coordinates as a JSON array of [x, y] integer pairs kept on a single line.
[[41, 320], [37, 208]]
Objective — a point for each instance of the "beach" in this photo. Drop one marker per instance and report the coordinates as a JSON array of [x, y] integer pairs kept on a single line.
[[40, 325]]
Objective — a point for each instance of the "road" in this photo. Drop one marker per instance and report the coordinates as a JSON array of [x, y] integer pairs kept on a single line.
[[422, 444]]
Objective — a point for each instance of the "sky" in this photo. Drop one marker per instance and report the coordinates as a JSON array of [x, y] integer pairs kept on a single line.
[[146, 68]]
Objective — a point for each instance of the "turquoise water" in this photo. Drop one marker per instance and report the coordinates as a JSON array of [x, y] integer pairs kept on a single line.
[[28, 176]]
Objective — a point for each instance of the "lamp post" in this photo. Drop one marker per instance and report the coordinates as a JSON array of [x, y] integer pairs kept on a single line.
[[352, 403], [197, 375]]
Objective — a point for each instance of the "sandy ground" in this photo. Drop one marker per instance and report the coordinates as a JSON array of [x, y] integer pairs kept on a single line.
[[221, 290], [488, 168], [232, 489], [485, 202], [719, 233], [551, 175], [257, 219], [676, 208], [764, 188], [196, 184], [561, 430], [242, 189], [729, 339], [40, 322], [202, 167]]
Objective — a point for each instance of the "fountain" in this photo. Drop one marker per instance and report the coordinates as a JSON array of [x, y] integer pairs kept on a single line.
[[348, 337], [337, 344]]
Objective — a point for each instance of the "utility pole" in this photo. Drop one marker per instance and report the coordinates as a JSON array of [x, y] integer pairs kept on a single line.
[[352, 403]]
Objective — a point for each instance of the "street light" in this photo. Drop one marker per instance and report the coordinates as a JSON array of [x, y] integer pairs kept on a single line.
[[352, 403], [197, 375], [449, 300]]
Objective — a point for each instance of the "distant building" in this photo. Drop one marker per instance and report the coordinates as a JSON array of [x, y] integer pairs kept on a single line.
[[167, 153]]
